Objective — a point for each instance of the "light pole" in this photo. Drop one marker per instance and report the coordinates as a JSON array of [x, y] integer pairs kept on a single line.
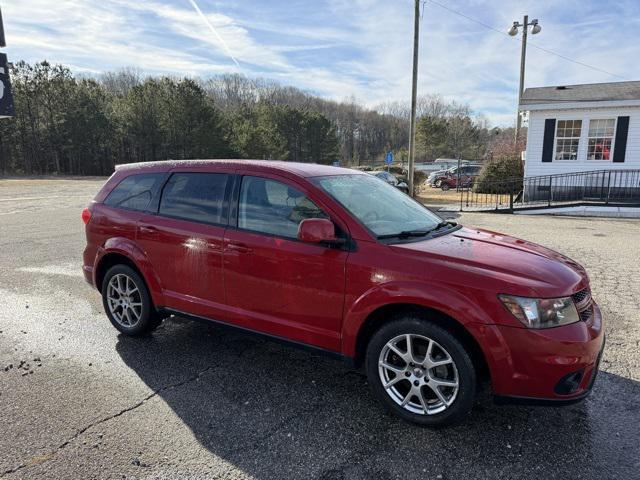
[[513, 31]]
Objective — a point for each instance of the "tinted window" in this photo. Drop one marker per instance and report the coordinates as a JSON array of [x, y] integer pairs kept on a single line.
[[134, 192], [273, 207], [194, 196]]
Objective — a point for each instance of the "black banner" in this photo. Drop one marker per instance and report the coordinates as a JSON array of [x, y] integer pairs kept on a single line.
[[6, 99]]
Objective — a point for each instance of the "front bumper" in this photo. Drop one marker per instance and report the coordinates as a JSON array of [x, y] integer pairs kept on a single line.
[[554, 402], [552, 366]]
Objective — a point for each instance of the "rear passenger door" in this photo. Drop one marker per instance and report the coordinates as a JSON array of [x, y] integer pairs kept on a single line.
[[183, 240]]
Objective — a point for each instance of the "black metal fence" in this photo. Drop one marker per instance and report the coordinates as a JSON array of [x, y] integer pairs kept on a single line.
[[603, 187]]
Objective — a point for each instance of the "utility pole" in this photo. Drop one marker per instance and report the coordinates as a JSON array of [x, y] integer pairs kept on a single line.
[[513, 31], [523, 56], [414, 93]]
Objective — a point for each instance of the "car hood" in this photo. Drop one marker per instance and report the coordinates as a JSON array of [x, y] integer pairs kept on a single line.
[[520, 265]]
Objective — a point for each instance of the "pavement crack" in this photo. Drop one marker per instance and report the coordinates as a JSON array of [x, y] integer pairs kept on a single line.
[[50, 455], [273, 430]]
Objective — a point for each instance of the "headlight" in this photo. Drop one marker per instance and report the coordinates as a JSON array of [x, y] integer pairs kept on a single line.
[[541, 312]]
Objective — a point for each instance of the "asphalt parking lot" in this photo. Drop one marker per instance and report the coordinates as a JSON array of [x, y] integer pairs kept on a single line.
[[196, 401]]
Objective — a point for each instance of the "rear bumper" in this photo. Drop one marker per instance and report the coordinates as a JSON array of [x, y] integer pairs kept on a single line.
[[88, 274], [553, 366]]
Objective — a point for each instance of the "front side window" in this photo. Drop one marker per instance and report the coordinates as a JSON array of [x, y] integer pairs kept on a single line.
[[601, 133], [383, 209], [568, 139], [195, 196], [134, 192], [273, 207]]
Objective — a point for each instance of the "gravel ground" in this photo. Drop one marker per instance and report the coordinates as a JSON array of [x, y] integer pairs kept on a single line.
[[195, 401]]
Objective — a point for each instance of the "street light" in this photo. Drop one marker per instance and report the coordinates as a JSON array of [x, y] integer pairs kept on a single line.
[[513, 31]]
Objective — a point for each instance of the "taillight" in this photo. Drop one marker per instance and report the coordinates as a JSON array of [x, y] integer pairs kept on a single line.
[[86, 215]]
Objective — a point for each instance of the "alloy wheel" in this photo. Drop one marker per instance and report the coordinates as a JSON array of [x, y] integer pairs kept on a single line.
[[418, 374], [124, 300]]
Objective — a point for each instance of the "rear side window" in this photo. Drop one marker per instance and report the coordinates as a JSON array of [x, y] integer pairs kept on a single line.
[[134, 192], [195, 196], [272, 207]]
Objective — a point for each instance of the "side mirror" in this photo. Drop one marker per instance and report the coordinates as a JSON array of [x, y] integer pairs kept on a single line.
[[318, 230]]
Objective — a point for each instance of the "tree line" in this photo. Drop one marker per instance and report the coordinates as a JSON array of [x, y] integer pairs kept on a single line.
[[66, 124]]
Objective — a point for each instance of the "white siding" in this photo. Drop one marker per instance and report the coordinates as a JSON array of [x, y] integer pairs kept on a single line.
[[535, 137]]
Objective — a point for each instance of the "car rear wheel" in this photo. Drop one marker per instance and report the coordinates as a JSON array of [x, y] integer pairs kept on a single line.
[[127, 301], [421, 372], [444, 186]]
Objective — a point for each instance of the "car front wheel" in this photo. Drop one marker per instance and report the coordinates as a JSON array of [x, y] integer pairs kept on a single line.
[[421, 372]]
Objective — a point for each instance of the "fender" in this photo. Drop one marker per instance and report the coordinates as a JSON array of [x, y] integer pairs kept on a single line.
[[452, 303], [127, 248]]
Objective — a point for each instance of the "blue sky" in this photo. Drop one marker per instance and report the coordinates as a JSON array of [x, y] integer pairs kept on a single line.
[[338, 49]]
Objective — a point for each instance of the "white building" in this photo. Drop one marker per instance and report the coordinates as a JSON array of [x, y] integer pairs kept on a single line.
[[579, 128]]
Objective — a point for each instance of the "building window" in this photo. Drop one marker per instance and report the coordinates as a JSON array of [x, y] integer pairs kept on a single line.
[[600, 138], [568, 139]]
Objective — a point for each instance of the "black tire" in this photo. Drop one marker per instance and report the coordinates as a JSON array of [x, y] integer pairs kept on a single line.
[[444, 187], [149, 318], [463, 399]]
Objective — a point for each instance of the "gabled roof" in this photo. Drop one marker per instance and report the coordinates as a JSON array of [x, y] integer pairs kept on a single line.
[[590, 92]]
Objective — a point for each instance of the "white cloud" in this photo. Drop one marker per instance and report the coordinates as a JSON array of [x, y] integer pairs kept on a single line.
[[337, 48]]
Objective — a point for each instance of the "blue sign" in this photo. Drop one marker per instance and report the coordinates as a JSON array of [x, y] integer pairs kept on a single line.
[[389, 158], [336, 164]]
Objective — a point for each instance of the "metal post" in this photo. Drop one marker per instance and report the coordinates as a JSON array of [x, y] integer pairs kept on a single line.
[[523, 56], [3, 43], [550, 187], [414, 93]]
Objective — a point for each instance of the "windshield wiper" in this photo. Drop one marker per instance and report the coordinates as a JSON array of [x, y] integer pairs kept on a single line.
[[417, 233]]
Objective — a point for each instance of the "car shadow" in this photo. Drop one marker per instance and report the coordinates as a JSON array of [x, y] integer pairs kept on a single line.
[[277, 412]]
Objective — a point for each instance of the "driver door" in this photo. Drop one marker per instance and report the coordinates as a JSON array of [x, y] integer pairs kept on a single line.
[[275, 283]]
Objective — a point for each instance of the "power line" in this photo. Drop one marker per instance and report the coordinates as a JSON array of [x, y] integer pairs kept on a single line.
[[490, 27]]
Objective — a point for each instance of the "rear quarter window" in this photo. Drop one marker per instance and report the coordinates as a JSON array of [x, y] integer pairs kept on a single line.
[[135, 191]]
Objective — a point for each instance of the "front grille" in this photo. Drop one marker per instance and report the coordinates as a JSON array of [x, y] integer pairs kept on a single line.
[[580, 296], [585, 315], [582, 299]]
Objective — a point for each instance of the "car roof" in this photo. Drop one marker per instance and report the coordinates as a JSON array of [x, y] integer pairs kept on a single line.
[[300, 169]]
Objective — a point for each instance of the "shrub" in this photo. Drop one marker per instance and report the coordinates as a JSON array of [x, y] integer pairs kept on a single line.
[[503, 174]]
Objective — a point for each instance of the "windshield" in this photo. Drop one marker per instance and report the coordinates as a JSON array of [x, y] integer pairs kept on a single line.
[[383, 209]]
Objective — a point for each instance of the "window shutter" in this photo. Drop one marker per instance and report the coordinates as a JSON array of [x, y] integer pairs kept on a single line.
[[622, 129], [549, 136]]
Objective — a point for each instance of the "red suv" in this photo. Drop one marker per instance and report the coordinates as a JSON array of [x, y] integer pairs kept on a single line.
[[342, 263], [467, 175]]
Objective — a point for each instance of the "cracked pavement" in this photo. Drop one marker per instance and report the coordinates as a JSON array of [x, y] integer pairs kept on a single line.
[[197, 401]]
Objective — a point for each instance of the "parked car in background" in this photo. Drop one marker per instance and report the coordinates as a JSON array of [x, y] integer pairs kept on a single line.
[[462, 177], [392, 180], [433, 180], [447, 163]]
